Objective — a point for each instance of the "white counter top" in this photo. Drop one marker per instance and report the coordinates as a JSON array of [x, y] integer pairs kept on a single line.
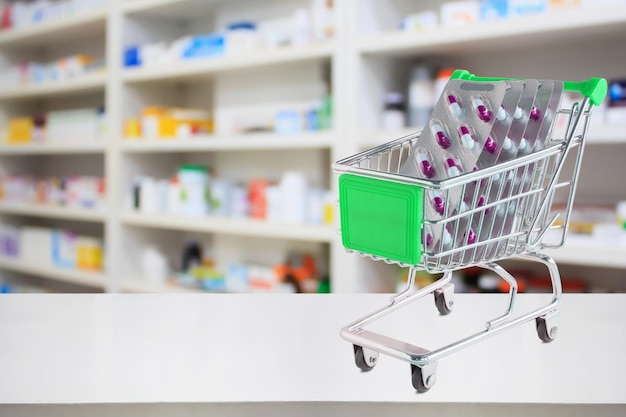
[[282, 354]]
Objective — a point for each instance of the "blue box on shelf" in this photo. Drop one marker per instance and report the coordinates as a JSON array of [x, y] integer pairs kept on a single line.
[[204, 46]]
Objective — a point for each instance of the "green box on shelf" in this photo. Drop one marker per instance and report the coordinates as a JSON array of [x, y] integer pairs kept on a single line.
[[381, 218]]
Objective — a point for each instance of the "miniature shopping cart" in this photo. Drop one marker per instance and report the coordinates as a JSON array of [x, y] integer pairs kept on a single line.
[[383, 218]]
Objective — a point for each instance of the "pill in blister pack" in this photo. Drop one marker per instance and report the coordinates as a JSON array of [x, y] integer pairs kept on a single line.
[[425, 163], [440, 134], [524, 146], [482, 109], [431, 242], [535, 113], [453, 105], [501, 114], [467, 138], [437, 202], [452, 166], [471, 237], [508, 145], [490, 145]]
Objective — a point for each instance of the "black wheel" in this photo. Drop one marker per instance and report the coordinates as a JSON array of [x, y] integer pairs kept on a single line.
[[440, 302], [417, 379], [545, 334], [361, 362]]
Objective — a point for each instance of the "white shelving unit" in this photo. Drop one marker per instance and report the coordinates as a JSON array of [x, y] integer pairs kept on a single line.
[[53, 149], [239, 227], [87, 83], [66, 275], [35, 210], [215, 143], [80, 24], [367, 57], [211, 67]]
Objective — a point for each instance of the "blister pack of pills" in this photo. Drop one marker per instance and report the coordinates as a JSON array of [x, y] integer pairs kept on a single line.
[[461, 121], [476, 125]]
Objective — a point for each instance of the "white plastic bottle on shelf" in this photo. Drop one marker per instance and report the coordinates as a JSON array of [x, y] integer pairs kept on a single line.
[[148, 195], [421, 96], [294, 190], [194, 190]]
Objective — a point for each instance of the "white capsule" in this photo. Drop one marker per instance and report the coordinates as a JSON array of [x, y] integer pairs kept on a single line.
[[518, 113], [523, 146], [501, 114], [464, 207], [447, 237], [508, 144]]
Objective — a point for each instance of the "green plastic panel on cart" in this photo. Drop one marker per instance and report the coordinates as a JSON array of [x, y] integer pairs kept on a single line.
[[381, 218]]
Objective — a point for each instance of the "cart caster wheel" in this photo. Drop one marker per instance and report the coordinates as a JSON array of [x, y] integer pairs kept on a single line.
[[444, 299], [545, 331], [365, 359], [421, 381]]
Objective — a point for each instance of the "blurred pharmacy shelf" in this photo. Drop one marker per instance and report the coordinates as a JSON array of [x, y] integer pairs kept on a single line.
[[69, 148], [81, 24], [78, 85], [138, 285], [365, 58], [375, 137], [606, 134], [52, 212], [240, 227], [205, 68], [580, 250], [71, 276], [246, 142], [176, 9], [518, 32]]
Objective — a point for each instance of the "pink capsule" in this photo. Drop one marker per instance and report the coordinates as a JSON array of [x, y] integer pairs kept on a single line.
[[471, 237], [491, 146], [429, 239], [535, 113], [453, 106], [440, 135], [425, 166], [466, 138], [453, 169], [483, 112], [439, 204]]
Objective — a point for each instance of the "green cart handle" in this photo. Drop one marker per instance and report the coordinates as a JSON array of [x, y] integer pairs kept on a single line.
[[593, 88]]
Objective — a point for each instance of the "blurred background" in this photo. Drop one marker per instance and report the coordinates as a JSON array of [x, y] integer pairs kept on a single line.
[[187, 146]]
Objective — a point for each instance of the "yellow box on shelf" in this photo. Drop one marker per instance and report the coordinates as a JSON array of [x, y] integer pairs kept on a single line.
[[20, 130], [169, 123], [88, 254]]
